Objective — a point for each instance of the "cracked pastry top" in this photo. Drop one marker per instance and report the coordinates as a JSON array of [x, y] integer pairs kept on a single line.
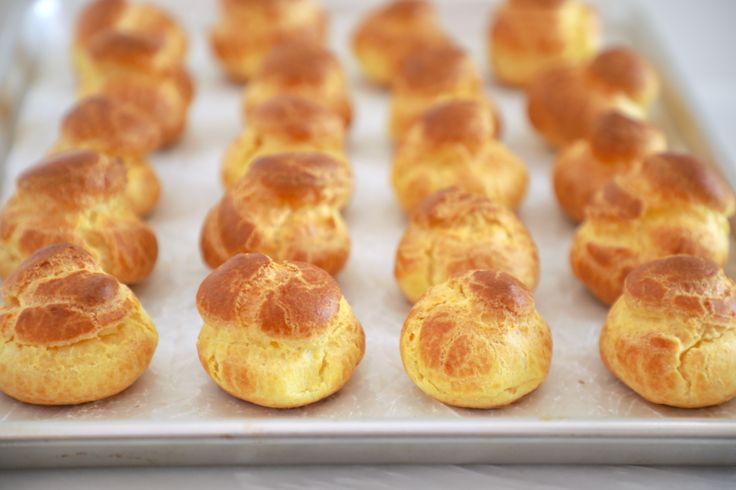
[[671, 336], [79, 197], [453, 232], [284, 123], [673, 204], [69, 332], [286, 206], [454, 144], [476, 341], [277, 334]]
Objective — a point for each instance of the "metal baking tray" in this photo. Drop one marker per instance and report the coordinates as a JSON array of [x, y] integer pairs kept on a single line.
[[176, 415]]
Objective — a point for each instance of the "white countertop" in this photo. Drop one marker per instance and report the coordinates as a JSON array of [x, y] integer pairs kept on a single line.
[[702, 40]]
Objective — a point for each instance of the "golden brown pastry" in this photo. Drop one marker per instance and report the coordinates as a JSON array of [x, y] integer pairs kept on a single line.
[[564, 101], [453, 144], [673, 204], [453, 232], [671, 336], [391, 32], [528, 36], [615, 145], [102, 16], [427, 77], [117, 130], [284, 123], [288, 207], [70, 333], [248, 29], [304, 69], [134, 68], [476, 341], [77, 196], [277, 334]]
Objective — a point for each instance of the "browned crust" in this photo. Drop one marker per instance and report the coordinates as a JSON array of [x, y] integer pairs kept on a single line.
[[111, 126], [690, 285], [685, 178], [451, 206], [297, 63], [464, 121], [616, 137], [622, 69], [98, 16], [294, 299], [299, 178], [435, 69], [296, 118], [129, 50], [60, 296], [67, 175]]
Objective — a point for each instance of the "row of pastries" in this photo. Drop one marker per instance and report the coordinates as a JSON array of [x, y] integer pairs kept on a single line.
[[653, 228], [72, 234], [277, 330]]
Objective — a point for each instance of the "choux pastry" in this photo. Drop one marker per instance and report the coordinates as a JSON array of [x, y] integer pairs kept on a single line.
[[117, 130], [288, 207], [303, 69], [102, 16], [528, 36], [453, 144], [79, 197], [248, 29], [673, 204], [277, 334], [453, 232], [391, 32], [284, 123], [70, 333], [671, 336], [615, 145], [564, 101], [429, 76], [476, 341], [133, 68]]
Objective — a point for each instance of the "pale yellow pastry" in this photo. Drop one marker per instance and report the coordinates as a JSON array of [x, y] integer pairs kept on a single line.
[[391, 32], [121, 131], [70, 333], [615, 145], [288, 207], [673, 204], [101, 16], [528, 36], [248, 29], [454, 144], [306, 70], [284, 123], [564, 101], [476, 341], [429, 76], [671, 336], [453, 232], [134, 68], [277, 334], [79, 197]]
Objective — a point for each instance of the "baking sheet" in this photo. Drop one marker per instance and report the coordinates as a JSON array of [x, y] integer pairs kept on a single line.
[[175, 398]]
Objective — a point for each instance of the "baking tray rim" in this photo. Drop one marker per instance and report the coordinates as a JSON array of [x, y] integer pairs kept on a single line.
[[635, 428], [603, 428]]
